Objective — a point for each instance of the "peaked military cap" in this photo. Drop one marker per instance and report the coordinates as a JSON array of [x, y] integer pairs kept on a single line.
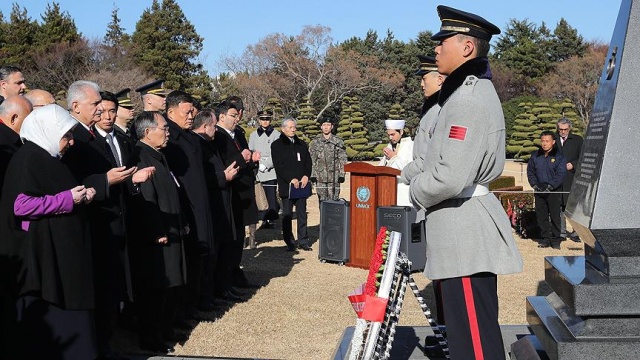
[[456, 21], [123, 98], [156, 88], [427, 65], [266, 114]]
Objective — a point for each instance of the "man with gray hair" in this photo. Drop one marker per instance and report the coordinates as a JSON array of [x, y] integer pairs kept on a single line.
[[11, 81], [293, 165], [570, 146]]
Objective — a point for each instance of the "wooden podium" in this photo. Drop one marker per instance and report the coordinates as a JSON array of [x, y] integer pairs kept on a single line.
[[371, 186]]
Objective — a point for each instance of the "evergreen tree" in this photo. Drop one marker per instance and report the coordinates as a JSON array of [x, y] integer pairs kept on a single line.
[[115, 37], [522, 48], [57, 27], [352, 130], [307, 126], [166, 45], [533, 120], [566, 42], [18, 36]]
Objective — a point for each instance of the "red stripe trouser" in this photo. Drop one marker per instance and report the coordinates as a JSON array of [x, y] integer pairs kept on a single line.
[[471, 313]]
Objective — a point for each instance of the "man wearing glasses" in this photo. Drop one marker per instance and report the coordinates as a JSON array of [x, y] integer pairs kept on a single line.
[[569, 145]]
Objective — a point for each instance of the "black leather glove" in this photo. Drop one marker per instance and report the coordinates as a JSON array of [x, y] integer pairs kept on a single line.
[[548, 188], [341, 179], [536, 188], [313, 180]]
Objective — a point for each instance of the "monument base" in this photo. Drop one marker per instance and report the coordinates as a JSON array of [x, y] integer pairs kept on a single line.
[[409, 341]]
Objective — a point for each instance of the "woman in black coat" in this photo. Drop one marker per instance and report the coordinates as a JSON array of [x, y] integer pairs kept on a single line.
[[46, 246]]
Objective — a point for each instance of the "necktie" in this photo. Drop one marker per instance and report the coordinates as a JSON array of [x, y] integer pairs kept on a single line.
[[93, 135], [114, 151]]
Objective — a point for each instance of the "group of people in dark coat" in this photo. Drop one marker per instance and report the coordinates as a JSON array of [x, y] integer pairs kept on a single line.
[[550, 173], [145, 225]]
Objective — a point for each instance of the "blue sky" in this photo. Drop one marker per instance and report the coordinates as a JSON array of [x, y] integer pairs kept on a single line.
[[229, 28]]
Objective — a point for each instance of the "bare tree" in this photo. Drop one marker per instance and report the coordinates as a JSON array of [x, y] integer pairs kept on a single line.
[[307, 65], [577, 79]]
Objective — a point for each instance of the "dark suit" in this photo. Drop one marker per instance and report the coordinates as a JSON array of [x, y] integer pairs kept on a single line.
[[219, 271], [292, 160], [160, 269], [89, 159], [184, 156], [243, 197], [9, 144], [571, 151]]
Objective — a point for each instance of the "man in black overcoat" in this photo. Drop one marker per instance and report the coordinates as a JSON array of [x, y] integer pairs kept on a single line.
[[293, 165], [13, 110], [184, 155], [218, 177], [92, 162], [231, 148], [569, 145]]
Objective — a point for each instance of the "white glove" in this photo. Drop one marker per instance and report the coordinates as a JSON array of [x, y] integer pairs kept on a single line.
[[262, 168]]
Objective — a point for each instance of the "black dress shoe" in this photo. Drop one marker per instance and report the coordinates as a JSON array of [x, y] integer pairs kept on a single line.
[[248, 285], [230, 296], [305, 247]]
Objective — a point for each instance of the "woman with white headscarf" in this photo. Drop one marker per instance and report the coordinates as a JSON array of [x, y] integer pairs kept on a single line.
[[45, 242]]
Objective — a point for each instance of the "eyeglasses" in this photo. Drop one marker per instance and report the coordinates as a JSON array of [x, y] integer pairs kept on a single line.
[[164, 128], [233, 115], [561, 129]]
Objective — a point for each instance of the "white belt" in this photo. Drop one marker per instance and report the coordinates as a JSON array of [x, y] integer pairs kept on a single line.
[[473, 190]]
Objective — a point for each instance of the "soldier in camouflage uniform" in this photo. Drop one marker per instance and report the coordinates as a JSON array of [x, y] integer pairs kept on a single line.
[[328, 155]]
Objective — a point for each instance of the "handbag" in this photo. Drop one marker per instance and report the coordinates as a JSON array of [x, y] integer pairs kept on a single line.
[[261, 198]]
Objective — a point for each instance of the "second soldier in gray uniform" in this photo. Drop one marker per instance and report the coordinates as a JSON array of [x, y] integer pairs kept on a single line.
[[328, 155], [469, 238]]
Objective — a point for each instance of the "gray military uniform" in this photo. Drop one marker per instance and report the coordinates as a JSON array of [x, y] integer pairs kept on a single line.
[[420, 144], [466, 235], [262, 143]]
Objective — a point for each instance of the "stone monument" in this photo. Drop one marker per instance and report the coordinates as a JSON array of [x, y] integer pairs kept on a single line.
[[594, 311]]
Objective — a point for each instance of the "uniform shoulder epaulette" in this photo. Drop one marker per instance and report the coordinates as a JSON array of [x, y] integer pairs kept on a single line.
[[468, 84]]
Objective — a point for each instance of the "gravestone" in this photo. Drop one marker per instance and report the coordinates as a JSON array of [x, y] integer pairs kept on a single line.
[[594, 310]]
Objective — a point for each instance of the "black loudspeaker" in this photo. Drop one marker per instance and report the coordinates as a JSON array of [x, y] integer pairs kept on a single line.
[[403, 220], [334, 231]]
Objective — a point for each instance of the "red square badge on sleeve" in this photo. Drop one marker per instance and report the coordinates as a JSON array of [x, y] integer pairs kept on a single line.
[[458, 132]]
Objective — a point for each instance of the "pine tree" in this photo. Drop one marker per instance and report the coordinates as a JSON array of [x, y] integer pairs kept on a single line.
[[167, 45], [116, 37], [57, 27], [19, 37], [522, 48], [566, 42], [351, 129], [307, 126]]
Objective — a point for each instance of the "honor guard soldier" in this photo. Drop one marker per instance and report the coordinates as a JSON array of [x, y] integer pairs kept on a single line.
[[261, 140], [469, 235], [124, 116], [153, 96]]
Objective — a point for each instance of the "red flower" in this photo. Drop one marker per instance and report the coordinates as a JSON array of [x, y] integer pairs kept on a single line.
[[376, 262]]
